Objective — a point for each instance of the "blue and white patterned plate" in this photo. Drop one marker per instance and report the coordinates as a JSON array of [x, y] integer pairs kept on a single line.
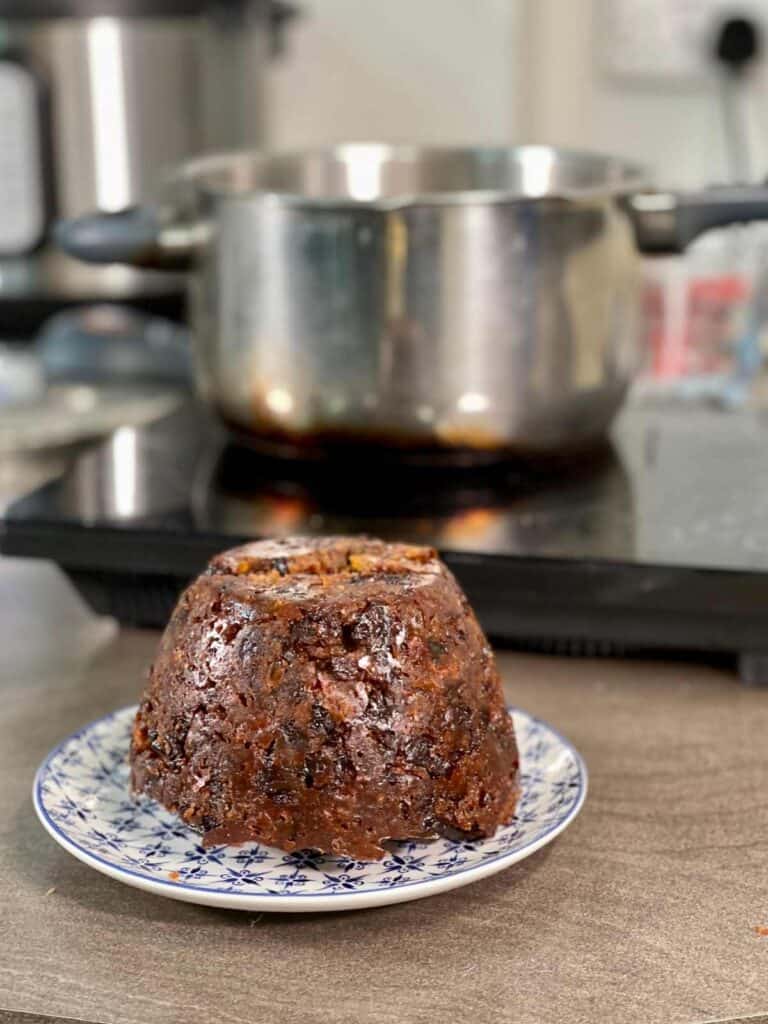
[[81, 796]]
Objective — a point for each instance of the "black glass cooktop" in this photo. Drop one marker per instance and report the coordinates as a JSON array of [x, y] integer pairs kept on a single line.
[[657, 542]]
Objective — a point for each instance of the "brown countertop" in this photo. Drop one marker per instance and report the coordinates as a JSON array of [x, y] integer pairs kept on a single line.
[[644, 910]]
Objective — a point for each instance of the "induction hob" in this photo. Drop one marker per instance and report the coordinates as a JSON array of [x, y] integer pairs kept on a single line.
[[658, 543]]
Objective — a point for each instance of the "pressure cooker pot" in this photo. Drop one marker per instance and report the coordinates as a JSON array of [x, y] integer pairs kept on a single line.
[[458, 304]]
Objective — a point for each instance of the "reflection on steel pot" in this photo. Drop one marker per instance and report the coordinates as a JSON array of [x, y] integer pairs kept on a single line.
[[455, 303]]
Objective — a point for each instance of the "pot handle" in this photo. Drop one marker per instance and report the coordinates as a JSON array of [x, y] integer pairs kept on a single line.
[[140, 236], [667, 222]]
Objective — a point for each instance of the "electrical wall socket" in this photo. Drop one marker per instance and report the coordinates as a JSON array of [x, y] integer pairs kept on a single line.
[[667, 39]]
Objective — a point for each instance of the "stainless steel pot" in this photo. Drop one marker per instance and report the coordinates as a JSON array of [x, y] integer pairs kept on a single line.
[[458, 303]]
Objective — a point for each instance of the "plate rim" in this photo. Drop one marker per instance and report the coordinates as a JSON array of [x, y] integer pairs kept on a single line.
[[300, 902]]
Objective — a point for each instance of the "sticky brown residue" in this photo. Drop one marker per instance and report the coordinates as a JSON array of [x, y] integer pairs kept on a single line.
[[174, 876], [760, 929]]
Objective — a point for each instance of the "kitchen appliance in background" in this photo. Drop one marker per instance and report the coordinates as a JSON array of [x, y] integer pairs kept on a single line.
[[661, 544], [97, 99]]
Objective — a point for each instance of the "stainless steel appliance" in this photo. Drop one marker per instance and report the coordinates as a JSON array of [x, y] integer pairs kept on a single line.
[[97, 99], [453, 303]]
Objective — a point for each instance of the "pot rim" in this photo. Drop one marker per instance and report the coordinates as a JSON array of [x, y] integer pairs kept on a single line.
[[536, 164]]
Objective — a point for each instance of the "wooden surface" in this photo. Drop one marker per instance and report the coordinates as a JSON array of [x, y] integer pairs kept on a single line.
[[644, 910]]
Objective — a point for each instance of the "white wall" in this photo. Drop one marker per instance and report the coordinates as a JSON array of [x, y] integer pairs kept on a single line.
[[675, 127], [489, 70], [398, 70]]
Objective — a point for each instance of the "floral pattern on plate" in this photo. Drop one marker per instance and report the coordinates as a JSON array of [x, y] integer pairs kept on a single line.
[[82, 797]]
